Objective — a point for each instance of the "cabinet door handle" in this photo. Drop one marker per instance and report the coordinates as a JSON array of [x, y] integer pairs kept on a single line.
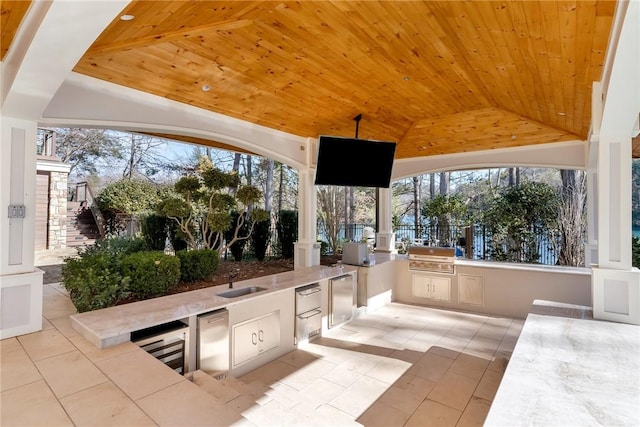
[[261, 335], [254, 338]]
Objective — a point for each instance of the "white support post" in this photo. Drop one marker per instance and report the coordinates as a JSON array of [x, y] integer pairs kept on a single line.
[[20, 282], [615, 283], [385, 237], [306, 249]]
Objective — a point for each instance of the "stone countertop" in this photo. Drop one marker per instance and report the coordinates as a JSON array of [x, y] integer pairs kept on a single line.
[[113, 325], [570, 371]]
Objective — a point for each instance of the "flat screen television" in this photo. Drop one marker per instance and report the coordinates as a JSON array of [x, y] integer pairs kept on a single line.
[[354, 162]]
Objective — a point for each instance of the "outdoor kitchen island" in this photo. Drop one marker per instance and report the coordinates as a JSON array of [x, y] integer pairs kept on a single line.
[[272, 294]]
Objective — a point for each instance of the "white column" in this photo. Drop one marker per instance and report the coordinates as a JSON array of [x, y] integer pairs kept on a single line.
[[20, 282], [385, 237], [306, 249], [615, 284]]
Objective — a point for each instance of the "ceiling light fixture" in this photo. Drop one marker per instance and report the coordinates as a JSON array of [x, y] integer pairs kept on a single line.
[[206, 88], [513, 137], [562, 113], [406, 78], [127, 17]]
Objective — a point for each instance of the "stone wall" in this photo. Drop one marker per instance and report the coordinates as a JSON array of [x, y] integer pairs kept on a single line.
[[58, 210]]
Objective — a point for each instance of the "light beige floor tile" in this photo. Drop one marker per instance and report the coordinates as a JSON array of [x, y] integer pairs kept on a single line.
[[299, 358], [58, 286], [488, 385], [63, 324], [46, 325], [452, 344], [273, 413], [475, 413], [444, 351], [270, 373], [463, 332], [482, 347], [43, 344], [453, 390], [139, 374], [331, 416], [305, 375], [494, 328], [286, 396], [321, 391], [104, 405], [350, 371], [184, 404], [389, 370], [499, 361], [407, 393], [31, 405], [95, 354], [411, 356], [433, 414], [383, 415], [359, 396], [469, 366], [16, 368], [221, 391], [56, 304], [237, 406], [69, 373], [431, 367]]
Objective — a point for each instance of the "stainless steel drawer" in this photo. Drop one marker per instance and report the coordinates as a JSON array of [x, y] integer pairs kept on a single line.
[[308, 324], [308, 298]]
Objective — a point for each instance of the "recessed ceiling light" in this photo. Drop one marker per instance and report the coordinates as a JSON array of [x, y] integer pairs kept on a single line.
[[406, 78], [513, 137], [127, 17], [206, 88], [562, 113]]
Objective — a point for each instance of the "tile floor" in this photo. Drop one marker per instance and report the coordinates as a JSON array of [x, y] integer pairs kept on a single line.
[[401, 365]]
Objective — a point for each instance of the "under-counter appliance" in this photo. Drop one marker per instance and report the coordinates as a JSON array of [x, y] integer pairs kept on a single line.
[[308, 312], [355, 253], [432, 258], [213, 342], [169, 343], [341, 303]]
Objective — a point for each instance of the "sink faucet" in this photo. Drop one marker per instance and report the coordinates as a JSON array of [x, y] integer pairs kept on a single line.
[[231, 276]]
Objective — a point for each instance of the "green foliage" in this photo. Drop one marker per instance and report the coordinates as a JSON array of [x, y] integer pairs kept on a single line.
[[151, 272], [287, 228], [324, 248], [443, 210], [129, 196], [94, 279], [260, 238], [203, 206], [517, 216], [154, 231], [635, 252], [199, 264]]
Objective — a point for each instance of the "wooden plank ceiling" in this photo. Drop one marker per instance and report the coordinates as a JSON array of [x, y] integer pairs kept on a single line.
[[438, 77]]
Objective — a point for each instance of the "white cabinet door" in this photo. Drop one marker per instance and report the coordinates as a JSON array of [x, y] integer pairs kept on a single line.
[[245, 342], [437, 288], [471, 290], [255, 336], [421, 286], [441, 288], [269, 332]]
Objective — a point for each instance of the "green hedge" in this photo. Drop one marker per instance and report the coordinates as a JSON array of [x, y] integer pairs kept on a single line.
[[198, 264], [94, 280], [151, 272]]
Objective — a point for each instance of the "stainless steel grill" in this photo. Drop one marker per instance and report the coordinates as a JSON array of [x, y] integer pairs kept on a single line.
[[429, 258]]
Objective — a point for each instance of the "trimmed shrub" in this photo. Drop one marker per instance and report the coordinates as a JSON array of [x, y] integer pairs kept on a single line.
[[151, 272], [635, 252], [260, 238], [116, 246], [287, 228], [199, 264], [94, 280]]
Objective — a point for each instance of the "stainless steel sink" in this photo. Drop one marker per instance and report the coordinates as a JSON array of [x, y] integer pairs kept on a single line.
[[234, 293]]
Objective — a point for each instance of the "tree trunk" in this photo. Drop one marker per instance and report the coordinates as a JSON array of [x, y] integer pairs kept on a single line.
[[432, 185], [280, 188], [352, 212], [512, 177], [347, 237], [268, 186], [571, 222], [444, 183]]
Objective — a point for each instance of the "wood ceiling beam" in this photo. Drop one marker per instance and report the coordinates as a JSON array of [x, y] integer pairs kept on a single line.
[[169, 36]]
